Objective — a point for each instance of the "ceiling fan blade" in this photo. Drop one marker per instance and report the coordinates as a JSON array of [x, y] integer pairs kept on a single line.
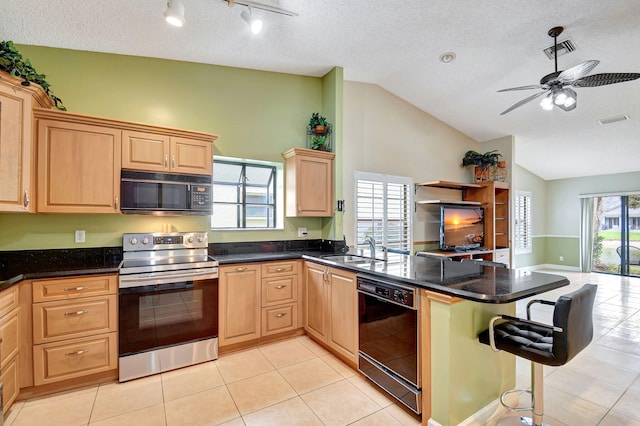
[[522, 102], [576, 72], [531, 86], [596, 80]]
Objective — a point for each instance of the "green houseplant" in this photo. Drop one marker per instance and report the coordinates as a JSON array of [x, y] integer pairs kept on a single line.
[[12, 62], [483, 164], [317, 123]]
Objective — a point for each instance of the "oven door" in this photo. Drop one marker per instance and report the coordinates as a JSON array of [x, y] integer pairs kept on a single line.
[[166, 313], [388, 335]]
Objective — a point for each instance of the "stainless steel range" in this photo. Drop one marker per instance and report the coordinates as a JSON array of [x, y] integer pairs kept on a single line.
[[168, 303]]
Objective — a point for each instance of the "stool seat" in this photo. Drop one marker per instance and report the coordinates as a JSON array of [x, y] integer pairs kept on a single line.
[[544, 344]]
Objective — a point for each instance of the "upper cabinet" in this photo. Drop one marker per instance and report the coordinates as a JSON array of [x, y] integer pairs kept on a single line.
[[80, 158], [17, 171], [166, 154], [309, 182]]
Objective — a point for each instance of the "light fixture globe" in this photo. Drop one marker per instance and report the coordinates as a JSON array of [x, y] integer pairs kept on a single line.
[[175, 13], [254, 24]]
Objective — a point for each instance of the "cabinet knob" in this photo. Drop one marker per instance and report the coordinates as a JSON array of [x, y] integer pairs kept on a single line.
[[26, 199]]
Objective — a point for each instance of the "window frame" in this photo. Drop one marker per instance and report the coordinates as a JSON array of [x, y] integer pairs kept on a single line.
[[277, 170], [522, 212], [385, 180]]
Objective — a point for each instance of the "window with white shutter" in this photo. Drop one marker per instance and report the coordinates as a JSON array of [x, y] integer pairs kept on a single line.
[[522, 228], [383, 210]]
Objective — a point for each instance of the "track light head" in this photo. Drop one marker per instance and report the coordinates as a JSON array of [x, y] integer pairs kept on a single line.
[[175, 13], [254, 23]]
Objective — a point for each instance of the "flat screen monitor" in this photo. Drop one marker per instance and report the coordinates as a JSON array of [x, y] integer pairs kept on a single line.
[[461, 227]]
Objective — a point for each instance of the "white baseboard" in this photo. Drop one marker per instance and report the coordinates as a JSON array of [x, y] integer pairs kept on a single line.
[[432, 422], [491, 413], [550, 266]]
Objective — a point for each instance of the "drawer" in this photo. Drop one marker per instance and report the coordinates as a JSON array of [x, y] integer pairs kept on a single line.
[[9, 332], [277, 319], [276, 291], [73, 288], [501, 256], [54, 362], [274, 269], [8, 300], [69, 319], [9, 379]]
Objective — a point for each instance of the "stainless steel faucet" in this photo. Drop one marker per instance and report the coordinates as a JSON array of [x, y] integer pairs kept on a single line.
[[372, 245]]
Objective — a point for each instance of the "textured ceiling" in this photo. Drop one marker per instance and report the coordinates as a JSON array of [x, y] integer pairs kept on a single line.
[[396, 44]]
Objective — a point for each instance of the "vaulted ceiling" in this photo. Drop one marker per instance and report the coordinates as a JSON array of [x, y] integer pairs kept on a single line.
[[397, 45]]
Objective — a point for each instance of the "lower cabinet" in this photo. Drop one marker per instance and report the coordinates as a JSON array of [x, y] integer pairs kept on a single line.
[[9, 349], [74, 327], [331, 307], [257, 300]]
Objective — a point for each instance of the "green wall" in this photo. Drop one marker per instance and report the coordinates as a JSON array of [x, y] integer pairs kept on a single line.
[[567, 247], [257, 115]]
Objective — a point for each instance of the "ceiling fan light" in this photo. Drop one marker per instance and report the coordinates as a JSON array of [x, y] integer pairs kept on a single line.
[[175, 13], [560, 99], [547, 102]]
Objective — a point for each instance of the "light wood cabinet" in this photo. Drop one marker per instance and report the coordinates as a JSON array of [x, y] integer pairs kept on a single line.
[[331, 307], [78, 167], [17, 160], [169, 154], [309, 183], [74, 327], [240, 304], [258, 300], [9, 349]]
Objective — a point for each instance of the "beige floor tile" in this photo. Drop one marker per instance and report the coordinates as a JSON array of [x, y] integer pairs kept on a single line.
[[340, 403], [339, 366], [309, 375], [11, 415], [588, 388], [187, 381], [614, 419], [73, 410], [235, 422], [628, 406], [314, 347], [241, 365], [288, 352], [211, 407], [292, 412], [64, 395], [612, 356], [570, 409], [379, 396], [114, 399], [379, 418], [261, 391], [400, 414], [150, 416]]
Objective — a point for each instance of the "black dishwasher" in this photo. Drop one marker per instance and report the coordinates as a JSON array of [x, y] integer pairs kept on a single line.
[[389, 338]]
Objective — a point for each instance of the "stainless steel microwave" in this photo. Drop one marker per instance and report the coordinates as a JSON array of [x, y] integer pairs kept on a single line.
[[165, 194]]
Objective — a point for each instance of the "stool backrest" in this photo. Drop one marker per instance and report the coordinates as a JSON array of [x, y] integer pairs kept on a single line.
[[574, 314]]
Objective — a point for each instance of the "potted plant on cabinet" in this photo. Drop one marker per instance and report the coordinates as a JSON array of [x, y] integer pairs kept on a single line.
[[12, 62], [317, 123], [319, 133], [482, 162]]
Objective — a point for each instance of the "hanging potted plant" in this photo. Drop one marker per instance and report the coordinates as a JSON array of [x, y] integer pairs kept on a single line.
[[318, 124], [482, 163], [12, 62]]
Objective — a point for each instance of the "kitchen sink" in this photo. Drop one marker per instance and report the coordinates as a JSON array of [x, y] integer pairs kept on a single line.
[[349, 258]]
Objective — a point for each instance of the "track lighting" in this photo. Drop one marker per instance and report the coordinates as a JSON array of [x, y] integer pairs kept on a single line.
[[175, 13], [254, 23]]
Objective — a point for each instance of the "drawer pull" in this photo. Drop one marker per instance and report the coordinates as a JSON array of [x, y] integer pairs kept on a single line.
[[77, 353], [240, 269], [280, 315], [280, 286], [76, 313], [84, 287], [281, 269]]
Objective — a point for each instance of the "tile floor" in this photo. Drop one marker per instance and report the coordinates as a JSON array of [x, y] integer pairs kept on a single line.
[[296, 382]]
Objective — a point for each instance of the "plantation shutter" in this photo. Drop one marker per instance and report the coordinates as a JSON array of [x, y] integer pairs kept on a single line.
[[523, 222], [383, 210]]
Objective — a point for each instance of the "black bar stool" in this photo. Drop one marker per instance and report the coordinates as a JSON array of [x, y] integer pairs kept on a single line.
[[543, 344]]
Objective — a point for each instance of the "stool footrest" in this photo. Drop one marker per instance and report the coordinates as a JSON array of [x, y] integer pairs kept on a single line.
[[511, 408]]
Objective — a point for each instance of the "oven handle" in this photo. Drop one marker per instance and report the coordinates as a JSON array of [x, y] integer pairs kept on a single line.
[[141, 280]]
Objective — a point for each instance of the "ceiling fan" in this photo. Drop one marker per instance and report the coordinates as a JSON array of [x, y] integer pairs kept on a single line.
[[557, 85]]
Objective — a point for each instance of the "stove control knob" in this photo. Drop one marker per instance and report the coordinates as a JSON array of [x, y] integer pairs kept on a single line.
[[133, 241], [190, 239], [200, 239], [145, 240], [400, 297]]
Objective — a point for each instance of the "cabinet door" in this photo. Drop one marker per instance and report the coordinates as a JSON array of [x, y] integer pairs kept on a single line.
[[15, 150], [239, 304], [191, 156], [78, 168], [315, 294], [314, 191], [145, 151], [343, 307]]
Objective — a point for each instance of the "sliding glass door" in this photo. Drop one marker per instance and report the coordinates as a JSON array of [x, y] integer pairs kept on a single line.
[[616, 241]]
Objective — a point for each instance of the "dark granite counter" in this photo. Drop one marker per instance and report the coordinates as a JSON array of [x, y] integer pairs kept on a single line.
[[466, 280]]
